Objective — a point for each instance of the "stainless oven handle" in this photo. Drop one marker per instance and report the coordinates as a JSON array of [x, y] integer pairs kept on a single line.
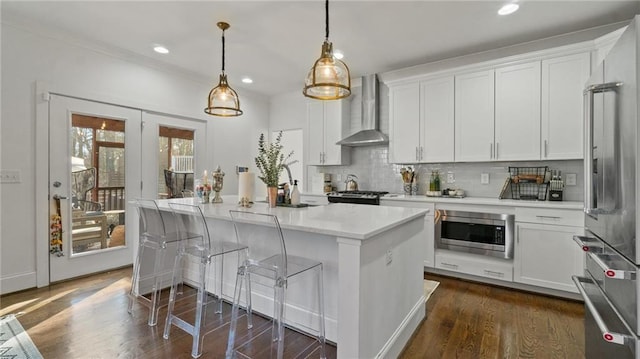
[[610, 272], [587, 244], [611, 337]]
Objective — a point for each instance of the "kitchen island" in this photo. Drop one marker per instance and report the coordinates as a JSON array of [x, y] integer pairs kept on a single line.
[[373, 271]]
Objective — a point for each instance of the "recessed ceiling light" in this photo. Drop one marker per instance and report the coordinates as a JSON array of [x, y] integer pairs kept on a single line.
[[508, 9], [338, 54], [160, 49], [247, 80]]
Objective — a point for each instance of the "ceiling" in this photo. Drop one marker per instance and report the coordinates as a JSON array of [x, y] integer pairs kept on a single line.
[[276, 42]]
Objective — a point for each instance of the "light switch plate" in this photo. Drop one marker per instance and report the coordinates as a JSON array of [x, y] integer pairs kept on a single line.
[[9, 176], [570, 179], [484, 178]]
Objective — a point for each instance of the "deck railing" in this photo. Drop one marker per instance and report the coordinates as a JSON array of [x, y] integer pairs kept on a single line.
[[112, 198]]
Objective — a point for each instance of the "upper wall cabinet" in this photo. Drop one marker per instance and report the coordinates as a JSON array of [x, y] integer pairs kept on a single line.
[[404, 123], [563, 80], [437, 120], [474, 116], [517, 132], [327, 124], [421, 121]]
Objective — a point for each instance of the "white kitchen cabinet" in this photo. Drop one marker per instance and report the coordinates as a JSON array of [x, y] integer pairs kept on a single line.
[[327, 124], [404, 123], [545, 254], [517, 112], [474, 116], [421, 118], [480, 266], [437, 120], [563, 80]]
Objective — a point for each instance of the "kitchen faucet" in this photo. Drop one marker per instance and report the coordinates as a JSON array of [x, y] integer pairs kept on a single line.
[[286, 167]]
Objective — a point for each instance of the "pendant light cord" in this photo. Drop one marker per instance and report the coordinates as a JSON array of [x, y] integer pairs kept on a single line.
[[326, 24], [223, 51]]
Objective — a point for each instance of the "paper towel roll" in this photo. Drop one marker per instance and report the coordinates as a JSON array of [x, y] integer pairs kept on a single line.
[[246, 183]]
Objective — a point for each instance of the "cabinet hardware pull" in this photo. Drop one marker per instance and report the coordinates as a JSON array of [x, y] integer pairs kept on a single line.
[[491, 151], [416, 153], [445, 264], [545, 149], [497, 149], [493, 273], [421, 153], [549, 217]]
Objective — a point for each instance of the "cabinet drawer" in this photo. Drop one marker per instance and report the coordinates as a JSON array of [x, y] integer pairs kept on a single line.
[[474, 265], [563, 217]]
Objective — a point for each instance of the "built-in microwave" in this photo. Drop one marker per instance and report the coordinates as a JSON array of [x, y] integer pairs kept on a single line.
[[481, 233]]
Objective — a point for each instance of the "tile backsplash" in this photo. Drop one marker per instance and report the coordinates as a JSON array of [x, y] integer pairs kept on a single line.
[[370, 164]]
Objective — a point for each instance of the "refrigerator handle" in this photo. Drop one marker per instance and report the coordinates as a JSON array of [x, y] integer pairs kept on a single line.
[[589, 207], [608, 271], [588, 244], [611, 337]]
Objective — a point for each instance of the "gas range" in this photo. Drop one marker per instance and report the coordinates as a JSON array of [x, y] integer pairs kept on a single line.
[[358, 197]]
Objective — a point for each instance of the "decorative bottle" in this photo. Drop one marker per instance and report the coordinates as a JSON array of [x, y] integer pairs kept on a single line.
[[295, 194]]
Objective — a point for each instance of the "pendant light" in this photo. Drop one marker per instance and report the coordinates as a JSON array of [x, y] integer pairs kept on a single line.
[[329, 78], [223, 100]]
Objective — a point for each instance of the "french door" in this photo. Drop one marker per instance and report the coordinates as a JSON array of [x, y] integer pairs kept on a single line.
[[94, 171], [173, 152]]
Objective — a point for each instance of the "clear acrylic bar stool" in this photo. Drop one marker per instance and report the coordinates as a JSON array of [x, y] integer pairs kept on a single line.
[[196, 242], [268, 258], [153, 235]]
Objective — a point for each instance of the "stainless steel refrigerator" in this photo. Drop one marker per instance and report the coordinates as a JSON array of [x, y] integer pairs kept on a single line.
[[610, 283]]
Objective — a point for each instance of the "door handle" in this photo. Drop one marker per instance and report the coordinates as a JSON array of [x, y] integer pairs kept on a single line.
[[610, 272], [589, 207], [611, 337], [588, 244], [59, 197]]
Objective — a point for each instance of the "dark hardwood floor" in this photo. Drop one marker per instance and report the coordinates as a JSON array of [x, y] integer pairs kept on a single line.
[[471, 320], [87, 318]]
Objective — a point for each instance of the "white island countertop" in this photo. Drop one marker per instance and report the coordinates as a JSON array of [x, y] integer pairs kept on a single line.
[[338, 219]]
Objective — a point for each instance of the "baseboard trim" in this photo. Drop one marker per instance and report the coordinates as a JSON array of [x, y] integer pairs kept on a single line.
[[396, 343], [17, 282]]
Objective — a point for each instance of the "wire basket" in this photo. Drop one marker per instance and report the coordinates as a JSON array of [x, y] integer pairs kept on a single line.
[[529, 183]]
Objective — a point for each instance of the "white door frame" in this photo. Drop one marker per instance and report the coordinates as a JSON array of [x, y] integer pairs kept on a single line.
[[43, 90]]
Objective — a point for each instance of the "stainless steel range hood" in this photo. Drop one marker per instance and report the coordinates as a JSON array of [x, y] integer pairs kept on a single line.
[[369, 134]]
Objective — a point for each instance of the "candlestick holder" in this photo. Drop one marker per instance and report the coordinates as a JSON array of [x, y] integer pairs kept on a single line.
[[218, 177]]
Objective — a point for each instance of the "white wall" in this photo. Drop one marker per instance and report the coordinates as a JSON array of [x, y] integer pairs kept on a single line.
[[27, 57]]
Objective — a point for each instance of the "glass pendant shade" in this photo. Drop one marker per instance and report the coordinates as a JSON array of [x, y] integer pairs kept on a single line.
[[223, 100], [329, 78]]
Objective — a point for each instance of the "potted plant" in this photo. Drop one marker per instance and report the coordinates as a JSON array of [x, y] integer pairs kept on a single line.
[[270, 162]]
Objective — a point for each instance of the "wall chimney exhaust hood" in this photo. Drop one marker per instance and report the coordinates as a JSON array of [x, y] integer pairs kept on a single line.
[[369, 134]]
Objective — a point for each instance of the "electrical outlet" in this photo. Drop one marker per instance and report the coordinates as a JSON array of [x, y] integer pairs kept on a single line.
[[451, 178], [389, 257], [484, 178], [571, 179]]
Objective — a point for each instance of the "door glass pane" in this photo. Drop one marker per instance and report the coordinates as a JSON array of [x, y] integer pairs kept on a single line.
[[175, 163], [98, 184]]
